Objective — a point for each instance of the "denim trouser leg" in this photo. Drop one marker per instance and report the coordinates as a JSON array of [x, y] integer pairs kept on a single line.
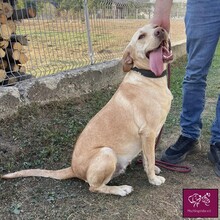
[[216, 125], [200, 52]]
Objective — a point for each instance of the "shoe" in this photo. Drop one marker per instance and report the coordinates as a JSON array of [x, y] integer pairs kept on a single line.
[[214, 157], [177, 152]]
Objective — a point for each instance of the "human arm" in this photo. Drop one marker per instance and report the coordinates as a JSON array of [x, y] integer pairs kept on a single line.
[[161, 15]]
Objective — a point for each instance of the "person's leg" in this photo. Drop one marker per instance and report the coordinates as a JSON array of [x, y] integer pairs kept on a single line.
[[202, 30], [215, 130], [200, 53], [202, 23], [214, 153]]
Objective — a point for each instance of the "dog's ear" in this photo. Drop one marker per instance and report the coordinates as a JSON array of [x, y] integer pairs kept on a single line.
[[127, 61]]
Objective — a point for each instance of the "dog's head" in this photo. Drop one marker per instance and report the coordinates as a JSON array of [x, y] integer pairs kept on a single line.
[[148, 49]]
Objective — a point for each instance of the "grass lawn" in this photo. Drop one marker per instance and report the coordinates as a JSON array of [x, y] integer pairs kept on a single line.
[[58, 45]]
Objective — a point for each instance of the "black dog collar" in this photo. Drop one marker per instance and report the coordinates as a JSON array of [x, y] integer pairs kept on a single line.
[[149, 73]]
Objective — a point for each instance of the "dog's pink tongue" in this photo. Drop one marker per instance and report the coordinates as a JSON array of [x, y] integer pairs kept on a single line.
[[156, 61]]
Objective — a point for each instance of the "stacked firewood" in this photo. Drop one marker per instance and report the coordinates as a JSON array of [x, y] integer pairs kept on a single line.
[[12, 46]]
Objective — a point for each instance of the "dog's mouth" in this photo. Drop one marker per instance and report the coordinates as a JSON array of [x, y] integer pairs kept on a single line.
[[159, 56]]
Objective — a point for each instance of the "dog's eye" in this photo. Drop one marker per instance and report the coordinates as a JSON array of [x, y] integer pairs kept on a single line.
[[141, 36], [156, 26]]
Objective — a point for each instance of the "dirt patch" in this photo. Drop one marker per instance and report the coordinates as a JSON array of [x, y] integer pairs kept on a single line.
[[40, 198]]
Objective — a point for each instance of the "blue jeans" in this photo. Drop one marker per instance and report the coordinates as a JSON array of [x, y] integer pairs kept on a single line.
[[202, 22]]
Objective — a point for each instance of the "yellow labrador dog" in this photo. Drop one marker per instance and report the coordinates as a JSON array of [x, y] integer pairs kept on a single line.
[[128, 124]]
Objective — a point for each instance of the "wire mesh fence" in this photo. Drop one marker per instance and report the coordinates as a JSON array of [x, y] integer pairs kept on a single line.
[[41, 37]]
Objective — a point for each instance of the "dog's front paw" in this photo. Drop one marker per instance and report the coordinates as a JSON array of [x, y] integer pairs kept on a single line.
[[157, 169], [157, 180]]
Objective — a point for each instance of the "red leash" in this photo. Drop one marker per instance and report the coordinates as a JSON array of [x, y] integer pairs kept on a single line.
[[172, 167], [159, 163]]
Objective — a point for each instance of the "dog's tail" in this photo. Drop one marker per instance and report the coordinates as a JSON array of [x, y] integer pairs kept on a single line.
[[62, 174]]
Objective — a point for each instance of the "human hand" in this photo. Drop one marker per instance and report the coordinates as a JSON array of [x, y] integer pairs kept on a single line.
[[162, 22], [161, 16]]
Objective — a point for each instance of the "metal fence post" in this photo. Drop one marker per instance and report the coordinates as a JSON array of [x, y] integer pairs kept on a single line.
[[88, 30]]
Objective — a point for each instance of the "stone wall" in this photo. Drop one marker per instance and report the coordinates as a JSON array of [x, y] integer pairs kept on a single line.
[[64, 85]]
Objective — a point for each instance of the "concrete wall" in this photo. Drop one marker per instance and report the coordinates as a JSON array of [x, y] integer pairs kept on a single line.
[[64, 85]]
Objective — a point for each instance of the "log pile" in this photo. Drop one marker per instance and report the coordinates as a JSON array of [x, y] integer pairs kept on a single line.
[[12, 46]]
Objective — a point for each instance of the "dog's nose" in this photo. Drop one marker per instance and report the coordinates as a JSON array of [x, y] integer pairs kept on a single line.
[[159, 32]]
